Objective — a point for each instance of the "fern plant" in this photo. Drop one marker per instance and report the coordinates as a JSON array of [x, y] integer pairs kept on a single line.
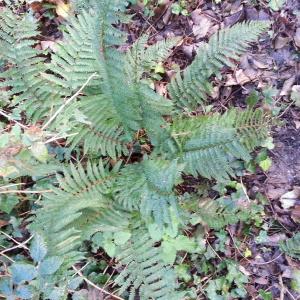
[[97, 97], [291, 246]]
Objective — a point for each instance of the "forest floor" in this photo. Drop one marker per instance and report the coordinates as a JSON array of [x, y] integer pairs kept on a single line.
[[270, 71], [272, 65]]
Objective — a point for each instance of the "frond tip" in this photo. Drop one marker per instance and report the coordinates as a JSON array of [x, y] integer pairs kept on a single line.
[[189, 89], [208, 144]]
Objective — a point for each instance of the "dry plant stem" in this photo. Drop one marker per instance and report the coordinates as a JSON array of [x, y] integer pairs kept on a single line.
[[19, 245], [284, 290], [4, 114], [213, 250], [94, 285], [24, 192], [11, 238], [68, 101], [7, 257], [9, 185], [55, 138]]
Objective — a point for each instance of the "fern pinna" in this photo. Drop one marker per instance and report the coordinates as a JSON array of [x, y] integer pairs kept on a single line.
[[104, 193]]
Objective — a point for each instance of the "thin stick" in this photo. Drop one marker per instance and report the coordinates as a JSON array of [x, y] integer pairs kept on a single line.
[[19, 245], [68, 101], [266, 262], [57, 137], [4, 114], [7, 257], [9, 185], [25, 192], [11, 238], [94, 285]]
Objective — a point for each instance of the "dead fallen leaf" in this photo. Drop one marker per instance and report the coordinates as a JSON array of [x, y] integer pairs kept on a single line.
[[262, 62], [63, 9], [289, 199], [297, 124], [240, 77], [202, 27], [296, 214], [281, 41], [244, 271], [48, 45], [261, 280], [234, 18], [274, 239], [297, 37], [287, 86], [3, 223], [161, 89]]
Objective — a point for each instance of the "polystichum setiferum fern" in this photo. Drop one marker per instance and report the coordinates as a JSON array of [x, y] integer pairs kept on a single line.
[[104, 193]]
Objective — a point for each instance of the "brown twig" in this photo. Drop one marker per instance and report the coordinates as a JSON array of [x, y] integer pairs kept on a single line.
[[94, 285]]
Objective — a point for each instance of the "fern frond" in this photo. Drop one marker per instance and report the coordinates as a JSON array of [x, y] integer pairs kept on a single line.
[[80, 206], [115, 104], [149, 188], [207, 144], [26, 86], [102, 133], [141, 57], [144, 272], [216, 214], [291, 246], [190, 88]]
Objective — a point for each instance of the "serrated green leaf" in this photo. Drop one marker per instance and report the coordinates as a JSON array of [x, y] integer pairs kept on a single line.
[[266, 164], [75, 282], [121, 237], [50, 265], [39, 151], [4, 138], [24, 292], [6, 287], [22, 272], [8, 202], [168, 252], [110, 248], [155, 232], [57, 293], [38, 249]]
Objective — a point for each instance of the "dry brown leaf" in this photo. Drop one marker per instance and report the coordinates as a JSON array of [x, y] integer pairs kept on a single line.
[[261, 63], [48, 45], [63, 9], [202, 27], [287, 86], [161, 89], [240, 77], [296, 214], [297, 37], [289, 199], [3, 223], [297, 124], [281, 41]]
